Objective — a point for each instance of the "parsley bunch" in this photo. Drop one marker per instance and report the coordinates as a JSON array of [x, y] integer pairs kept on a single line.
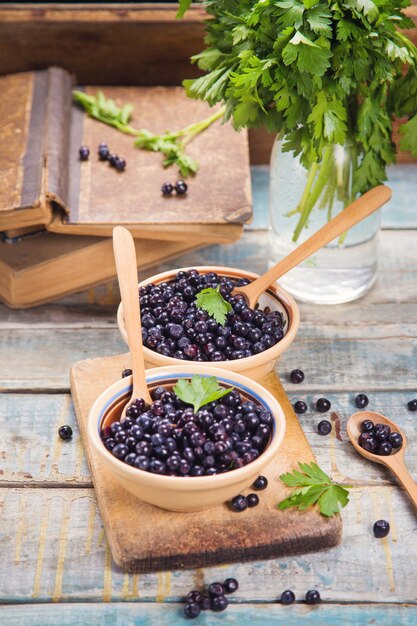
[[318, 72], [171, 144]]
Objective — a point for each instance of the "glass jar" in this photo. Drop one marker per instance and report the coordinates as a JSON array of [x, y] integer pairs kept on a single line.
[[302, 201]]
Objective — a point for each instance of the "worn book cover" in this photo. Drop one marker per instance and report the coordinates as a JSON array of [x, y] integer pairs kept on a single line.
[[43, 181]]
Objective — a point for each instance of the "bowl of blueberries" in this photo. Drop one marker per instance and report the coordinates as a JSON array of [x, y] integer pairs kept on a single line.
[[207, 435], [190, 314]]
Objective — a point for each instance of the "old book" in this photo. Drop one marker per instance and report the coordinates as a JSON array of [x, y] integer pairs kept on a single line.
[[43, 180], [46, 266]]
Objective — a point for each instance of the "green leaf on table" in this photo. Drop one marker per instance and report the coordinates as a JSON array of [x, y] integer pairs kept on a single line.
[[313, 486], [212, 301], [200, 391]]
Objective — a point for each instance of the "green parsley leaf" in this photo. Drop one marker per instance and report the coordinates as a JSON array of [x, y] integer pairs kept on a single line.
[[212, 301], [313, 486], [409, 138], [200, 391]]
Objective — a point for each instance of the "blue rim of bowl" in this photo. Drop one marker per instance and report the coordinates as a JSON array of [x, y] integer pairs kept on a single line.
[[154, 379]]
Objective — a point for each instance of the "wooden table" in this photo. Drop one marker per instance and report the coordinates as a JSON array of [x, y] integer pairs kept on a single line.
[[52, 545]]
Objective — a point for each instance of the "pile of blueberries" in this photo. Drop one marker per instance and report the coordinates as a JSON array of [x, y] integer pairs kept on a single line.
[[173, 326], [214, 600], [379, 439], [104, 155], [168, 438]]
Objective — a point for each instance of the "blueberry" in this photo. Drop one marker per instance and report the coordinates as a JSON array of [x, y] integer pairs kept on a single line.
[[300, 407], [395, 439], [167, 189], [324, 427], [230, 585], [181, 187], [84, 153], [412, 405], [384, 448], [239, 503], [219, 603], [192, 610], [65, 432], [103, 152], [260, 483], [112, 158], [368, 442], [323, 405], [287, 597], [312, 596], [361, 401], [194, 596], [205, 603], [120, 164], [297, 376], [252, 499], [382, 432], [216, 589], [120, 451], [126, 372], [381, 528], [367, 426]]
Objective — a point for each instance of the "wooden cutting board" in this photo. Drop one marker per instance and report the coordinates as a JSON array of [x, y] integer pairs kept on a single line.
[[144, 538]]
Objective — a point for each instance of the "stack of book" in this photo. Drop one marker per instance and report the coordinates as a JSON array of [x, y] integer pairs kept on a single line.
[[57, 212]]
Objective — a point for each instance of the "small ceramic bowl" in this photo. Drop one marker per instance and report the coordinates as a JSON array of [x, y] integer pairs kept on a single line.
[[186, 493], [255, 366]]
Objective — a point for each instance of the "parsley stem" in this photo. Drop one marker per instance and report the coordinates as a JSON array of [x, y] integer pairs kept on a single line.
[[194, 129], [303, 207]]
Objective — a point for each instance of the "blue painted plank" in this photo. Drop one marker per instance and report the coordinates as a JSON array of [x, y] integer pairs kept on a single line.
[[131, 614], [400, 212]]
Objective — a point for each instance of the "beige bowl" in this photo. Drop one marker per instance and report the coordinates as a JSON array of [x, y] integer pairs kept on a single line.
[[183, 493], [255, 366]]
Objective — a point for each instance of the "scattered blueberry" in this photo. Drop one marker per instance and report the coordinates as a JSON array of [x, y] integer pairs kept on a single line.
[[205, 603], [126, 372], [112, 158], [194, 596], [181, 187], [230, 585], [239, 503], [381, 528], [252, 499], [103, 152], [192, 610], [297, 376], [300, 407], [312, 596], [361, 401], [167, 189], [84, 153], [219, 603], [65, 432], [412, 405], [260, 483], [120, 164], [216, 589], [287, 597], [323, 405], [324, 427], [173, 325]]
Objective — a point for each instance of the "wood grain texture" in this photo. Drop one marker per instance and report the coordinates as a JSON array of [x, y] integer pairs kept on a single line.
[[160, 540], [134, 614], [53, 548]]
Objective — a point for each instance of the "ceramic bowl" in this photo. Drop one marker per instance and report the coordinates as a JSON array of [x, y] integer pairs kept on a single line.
[[255, 366], [183, 493]]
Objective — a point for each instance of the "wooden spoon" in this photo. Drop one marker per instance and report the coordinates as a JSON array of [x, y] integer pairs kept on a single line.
[[354, 213], [395, 461], [125, 257]]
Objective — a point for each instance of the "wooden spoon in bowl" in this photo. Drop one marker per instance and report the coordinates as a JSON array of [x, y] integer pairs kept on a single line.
[[354, 213], [125, 257], [395, 461]]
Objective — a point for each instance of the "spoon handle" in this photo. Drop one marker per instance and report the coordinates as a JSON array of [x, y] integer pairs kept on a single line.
[[405, 478], [125, 258], [354, 213]]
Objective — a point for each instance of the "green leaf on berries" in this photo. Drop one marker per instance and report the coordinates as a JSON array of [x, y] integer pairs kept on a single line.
[[212, 301], [200, 391]]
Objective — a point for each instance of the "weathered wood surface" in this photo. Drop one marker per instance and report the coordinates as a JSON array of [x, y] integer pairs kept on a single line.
[[52, 542], [53, 548], [132, 614]]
